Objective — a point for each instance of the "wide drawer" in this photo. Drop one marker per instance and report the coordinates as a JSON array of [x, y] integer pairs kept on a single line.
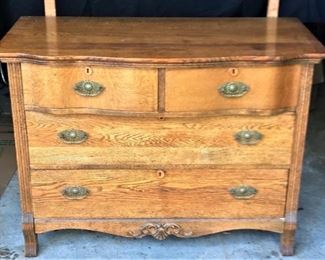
[[159, 194], [97, 141], [96, 87], [224, 88]]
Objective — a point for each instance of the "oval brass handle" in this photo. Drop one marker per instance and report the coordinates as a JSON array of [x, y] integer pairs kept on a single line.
[[248, 137], [243, 192], [233, 89], [88, 88], [75, 192], [73, 136]]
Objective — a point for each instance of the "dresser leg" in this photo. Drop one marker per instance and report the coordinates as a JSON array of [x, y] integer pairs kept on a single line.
[[31, 244], [288, 242]]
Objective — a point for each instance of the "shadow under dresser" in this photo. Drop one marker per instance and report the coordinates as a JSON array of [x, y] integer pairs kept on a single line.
[[159, 127]]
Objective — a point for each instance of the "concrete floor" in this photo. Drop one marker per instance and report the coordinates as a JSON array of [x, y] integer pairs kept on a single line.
[[230, 245]]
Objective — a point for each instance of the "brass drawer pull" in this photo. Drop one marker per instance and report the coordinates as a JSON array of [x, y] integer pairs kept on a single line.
[[73, 136], [243, 192], [75, 192], [88, 88], [248, 137], [233, 89]]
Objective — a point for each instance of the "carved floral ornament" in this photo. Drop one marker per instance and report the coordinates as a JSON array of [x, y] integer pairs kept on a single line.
[[160, 231]]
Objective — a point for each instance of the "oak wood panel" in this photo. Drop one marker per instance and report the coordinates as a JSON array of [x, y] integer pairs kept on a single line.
[[271, 87], [148, 194], [171, 141], [161, 89], [22, 155], [151, 65], [30, 236], [125, 88], [288, 237], [20, 132], [124, 227], [107, 112], [160, 40]]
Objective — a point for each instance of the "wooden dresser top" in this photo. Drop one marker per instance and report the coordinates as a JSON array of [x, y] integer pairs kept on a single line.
[[159, 40]]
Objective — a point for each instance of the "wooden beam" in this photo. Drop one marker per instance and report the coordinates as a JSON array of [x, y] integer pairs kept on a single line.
[[50, 9], [273, 8]]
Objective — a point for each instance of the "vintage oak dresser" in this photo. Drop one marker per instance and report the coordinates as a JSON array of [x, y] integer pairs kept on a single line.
[[160, 127]]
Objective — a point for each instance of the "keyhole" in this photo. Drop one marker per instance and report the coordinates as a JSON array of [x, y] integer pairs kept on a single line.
[[89, 71], [161, 173], [233, 71]]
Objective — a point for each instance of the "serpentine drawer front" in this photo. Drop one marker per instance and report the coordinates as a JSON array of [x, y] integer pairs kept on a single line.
[[89, 87], [159, 127], [159, 193], [103, 141], [228, 88]]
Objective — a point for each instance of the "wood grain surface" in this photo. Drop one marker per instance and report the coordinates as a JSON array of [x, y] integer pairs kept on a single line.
[[271, 87], [157, 114], [145, 141], [148, 194], [20, 133], [125, 227], [125, 88], [22, 155], [160, 40], [292, 204]]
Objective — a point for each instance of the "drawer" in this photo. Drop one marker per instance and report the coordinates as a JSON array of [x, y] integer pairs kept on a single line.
[[128, 142], [82, 87], [243, 88], [158, 194]]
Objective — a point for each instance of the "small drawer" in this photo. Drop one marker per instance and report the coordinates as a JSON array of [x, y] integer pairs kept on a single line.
[[204, 193], [242, 88], [90, 87], [89, 141]]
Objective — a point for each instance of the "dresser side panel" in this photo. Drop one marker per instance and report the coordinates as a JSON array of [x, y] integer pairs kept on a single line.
[[287, 240], [20, 132], [22, 154]]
